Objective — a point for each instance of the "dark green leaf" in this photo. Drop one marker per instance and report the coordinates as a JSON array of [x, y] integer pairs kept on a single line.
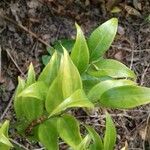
[[101, 39], [125, 97], [46, 59], [48, 135], [68, 128], [96, 92], [110, 134], [67, 43], [112, 68], [80, 51]]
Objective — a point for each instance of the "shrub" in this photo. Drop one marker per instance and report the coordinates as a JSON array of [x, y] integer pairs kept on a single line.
[[82, 79]]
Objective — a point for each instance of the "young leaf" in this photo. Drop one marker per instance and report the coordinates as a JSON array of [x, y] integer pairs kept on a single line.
[[68, 128], [101, 39], [71, 80], [85, 143], [18, 100], [37, 90], [31, 75], [112, 68], [125, 97], [50, 71], [80, 51], [77, 99], [48, 134], [96, 92], [110, 134], [4, 141], [97, 142]]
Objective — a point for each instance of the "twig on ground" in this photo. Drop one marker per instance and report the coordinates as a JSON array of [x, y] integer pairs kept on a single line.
[[21, 146], [25, 29], [6, 109], [15, 62]]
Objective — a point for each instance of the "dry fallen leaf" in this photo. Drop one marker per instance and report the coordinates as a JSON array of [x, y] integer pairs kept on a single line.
[[132, 11]]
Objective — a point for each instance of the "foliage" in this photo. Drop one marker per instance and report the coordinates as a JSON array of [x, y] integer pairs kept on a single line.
[[4, 140], [83, 79]]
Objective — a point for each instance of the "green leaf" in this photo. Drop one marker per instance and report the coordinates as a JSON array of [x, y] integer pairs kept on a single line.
[[96, 92], [85, 143], [97, 142], [101, 39], [68, 128], [54, 95], [4, 140], [46, 59], [37, 90], [71, 80], [89, 81], [67, 43], [110, 134], [110, 67], [125, 97], [4, 128], [77, 99], [31, 75], [80, 51], [48, 134], [32, 108], [50, 71], [18, 100]]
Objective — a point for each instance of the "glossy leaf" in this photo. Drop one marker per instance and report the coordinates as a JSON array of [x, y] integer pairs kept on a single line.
[[77, 99], [48, 134], [37, 90], [110, 134], [31, 75], [71, 80], [97, 142], [110, 67], [101, 38], [50, 71], [80, 51], [96, 92], [18, 100], [125, 97], [68, 128]]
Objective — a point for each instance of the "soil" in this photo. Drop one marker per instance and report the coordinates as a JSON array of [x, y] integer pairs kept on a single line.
[[26, 26]]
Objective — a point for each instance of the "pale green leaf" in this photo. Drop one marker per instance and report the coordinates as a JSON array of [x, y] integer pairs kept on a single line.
[[96, 92], [71, 80], [32, 108], [85, 143], [68, 128], [18, 100], [110, 67], [31, 75], [80, 51], [101, 38], [37, 90], [77, 99], [4, 140], [50, 71], [125, 97], [97, 142], [4, 128], [110, 134], [48, 135]]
